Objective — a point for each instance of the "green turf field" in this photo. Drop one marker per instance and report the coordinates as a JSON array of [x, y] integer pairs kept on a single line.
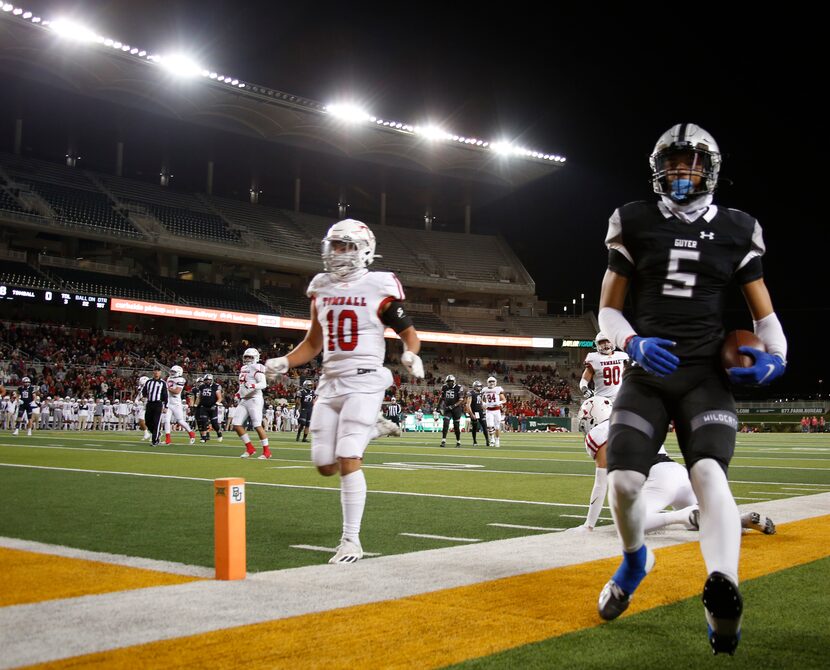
[[111, 492]]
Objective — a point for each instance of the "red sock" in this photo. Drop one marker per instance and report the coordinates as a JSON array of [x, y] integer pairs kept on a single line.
[[192, 434], [249, 448], [167, 439]]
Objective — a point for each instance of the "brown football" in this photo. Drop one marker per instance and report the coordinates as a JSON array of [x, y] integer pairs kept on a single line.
[[730, 356]]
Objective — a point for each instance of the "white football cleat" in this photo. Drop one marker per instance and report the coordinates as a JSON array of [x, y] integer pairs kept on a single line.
[[220, 438], [386, 427], [29, 432], [192, 440], [16, 431], [245, 454], [348, 551]]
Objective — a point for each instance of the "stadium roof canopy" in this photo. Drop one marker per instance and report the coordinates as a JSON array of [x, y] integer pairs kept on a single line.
[[124, 75]]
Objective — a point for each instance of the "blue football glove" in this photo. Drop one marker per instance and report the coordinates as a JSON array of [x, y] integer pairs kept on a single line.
[[652, 355], [767, 367]]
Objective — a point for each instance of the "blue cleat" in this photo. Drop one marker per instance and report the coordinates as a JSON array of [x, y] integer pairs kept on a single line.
[[724, 611], [615, 596]]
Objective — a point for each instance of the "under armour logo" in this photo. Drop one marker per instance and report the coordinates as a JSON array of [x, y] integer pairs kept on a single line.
[[706, 236]]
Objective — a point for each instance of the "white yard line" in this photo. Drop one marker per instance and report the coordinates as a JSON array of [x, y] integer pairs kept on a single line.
[[441, 537], [582, 516], [514, 525]]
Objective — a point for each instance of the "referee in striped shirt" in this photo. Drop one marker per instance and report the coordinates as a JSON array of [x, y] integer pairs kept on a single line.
[[393, 411], [155, 391]]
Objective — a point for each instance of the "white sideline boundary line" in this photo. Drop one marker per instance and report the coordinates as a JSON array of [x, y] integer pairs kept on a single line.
[[520, 527], [441, 537], [52, 630], [577, 450], [288, 486]]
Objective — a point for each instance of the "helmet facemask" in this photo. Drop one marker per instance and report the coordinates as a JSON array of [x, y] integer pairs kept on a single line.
[[685, 163], [349, 245]]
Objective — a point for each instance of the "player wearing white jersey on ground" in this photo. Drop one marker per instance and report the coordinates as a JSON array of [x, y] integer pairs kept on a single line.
[[604, 367], [350, 309], [251, 383], [493, 399], [175, 411], [667, 484]]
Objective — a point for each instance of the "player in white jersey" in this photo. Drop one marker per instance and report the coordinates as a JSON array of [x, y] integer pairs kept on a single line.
[[350, 310], [175, 412], [667, 484], [493, 399], [251, 403], [605, 368]]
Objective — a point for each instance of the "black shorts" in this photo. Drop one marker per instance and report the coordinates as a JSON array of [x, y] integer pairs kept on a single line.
[[305, 417], [24, 409], [697, 398], [453, 413]]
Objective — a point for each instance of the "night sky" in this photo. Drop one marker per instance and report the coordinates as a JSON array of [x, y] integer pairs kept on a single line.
[[595, 86]]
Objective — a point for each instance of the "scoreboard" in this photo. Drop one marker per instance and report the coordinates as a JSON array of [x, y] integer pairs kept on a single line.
[[53, 297]]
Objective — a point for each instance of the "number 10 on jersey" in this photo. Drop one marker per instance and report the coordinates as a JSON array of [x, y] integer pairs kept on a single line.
[[345, 338]]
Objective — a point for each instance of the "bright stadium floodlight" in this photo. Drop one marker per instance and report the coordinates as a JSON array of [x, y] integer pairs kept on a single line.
[[72, 31], [7, 7], [348, 112], [180, 65], [432, 133]]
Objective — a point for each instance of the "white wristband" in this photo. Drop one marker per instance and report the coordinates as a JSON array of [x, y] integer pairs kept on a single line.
[[770, 332], [615, 326]]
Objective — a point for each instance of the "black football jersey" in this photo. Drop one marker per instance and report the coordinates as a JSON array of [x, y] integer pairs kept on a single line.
[[678, 272], [207, 394], [305, 398], [450, 396], [27, 394], [475, 401]]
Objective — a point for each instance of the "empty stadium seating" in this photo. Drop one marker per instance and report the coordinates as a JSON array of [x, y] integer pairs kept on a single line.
[[215, 295], [96, 283], [13, 273]]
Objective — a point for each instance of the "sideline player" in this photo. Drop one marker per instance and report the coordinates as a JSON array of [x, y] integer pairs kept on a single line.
[[604, 368], [175, 412], [493, 400], [251, 403], [451, 402], [305, 403], [350, 309], [475, 410]]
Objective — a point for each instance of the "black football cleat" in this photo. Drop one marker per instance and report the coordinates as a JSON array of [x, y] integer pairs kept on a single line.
[[724, 608]]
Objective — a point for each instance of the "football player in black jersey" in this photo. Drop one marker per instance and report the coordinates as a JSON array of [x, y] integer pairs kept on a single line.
[[476, 413], [208, 394], [305, 403], [451, 403], [26, 396], [677, 257]]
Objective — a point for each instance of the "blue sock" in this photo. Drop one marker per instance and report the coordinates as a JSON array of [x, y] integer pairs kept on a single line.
[[632, 570]]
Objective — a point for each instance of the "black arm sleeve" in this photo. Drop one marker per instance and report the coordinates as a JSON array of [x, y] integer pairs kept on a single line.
[[750, 272], [620, 264], [395, 317]]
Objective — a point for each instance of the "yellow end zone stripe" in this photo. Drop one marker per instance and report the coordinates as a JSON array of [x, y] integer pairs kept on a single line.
[[437, 629], [29, 577]]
